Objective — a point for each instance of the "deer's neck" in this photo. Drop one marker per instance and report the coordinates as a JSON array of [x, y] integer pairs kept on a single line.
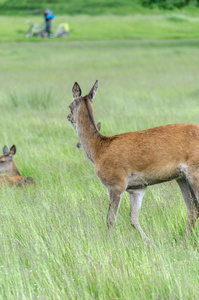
[[12, 170], [87, 130], [15, 170], [9, 168]]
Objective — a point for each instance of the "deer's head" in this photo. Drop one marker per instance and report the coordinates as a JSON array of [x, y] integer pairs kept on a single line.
[[6, 160], [77, 100]]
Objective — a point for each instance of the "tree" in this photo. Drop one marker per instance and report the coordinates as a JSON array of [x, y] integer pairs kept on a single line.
[[168, 4]]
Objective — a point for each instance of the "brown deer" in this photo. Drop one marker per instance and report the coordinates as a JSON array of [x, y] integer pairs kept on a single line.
[[8, 170], [133, 161], [79, 146]]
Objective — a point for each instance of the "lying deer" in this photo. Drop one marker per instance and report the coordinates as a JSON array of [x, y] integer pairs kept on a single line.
[[9, 171], [133, 161]]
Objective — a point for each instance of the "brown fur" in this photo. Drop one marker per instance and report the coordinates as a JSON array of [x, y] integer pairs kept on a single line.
[[132, 161], [79, 146], [9, 173]]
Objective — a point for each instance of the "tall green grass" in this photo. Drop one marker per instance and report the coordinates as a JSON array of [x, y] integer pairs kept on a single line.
[[34, 99], [54, 242]]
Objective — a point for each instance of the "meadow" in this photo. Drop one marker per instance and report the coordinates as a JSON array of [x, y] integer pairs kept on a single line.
[[167, 25], [53, 235]]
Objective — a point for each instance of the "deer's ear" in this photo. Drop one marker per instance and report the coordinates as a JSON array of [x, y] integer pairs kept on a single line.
[[93, 91], [13, 150], [99, 126], [76, 91], [5, 150]]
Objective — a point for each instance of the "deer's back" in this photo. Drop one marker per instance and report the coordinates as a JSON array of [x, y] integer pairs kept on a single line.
[[160, 149]]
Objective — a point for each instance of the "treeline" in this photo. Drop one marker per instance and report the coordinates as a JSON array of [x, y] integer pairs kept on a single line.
[[89, 7], [168, 4]]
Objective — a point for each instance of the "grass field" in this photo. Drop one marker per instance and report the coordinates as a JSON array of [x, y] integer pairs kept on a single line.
[[169, 25], [53, 235]]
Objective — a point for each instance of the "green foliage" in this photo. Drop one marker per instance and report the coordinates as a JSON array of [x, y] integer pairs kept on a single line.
[[70, 7], [167, 4], [88, 7]]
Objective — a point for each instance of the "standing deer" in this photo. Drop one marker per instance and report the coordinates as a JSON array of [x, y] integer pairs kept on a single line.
[[133, 161], [9, 171], [79, 146]]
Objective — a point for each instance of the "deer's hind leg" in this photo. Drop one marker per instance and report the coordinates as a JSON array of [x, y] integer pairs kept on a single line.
[[115, 194], [136, 197], [191, 201]]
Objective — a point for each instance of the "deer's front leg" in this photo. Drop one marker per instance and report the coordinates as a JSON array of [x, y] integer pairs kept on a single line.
[[115, 195]]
